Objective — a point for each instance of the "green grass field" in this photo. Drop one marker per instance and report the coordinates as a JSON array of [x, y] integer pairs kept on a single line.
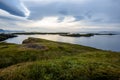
[[39, 59]]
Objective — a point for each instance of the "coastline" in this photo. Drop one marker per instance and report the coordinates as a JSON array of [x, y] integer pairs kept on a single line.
[[6, 36]]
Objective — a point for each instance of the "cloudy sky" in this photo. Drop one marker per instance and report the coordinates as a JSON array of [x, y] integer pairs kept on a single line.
[[60, 15]]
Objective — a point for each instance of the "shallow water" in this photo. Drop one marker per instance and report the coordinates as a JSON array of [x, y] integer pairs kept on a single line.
[[105, 42]]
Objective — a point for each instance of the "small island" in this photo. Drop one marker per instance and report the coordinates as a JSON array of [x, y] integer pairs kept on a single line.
[[41, 33], [77, 35], [84, 35]]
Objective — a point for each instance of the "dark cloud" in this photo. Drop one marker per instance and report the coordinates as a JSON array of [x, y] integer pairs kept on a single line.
[[63, 12], [14, 7], [78, 18], [60, 19], [92, 10]]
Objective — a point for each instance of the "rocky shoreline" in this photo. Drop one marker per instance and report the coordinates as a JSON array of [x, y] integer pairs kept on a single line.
[[6, 36]]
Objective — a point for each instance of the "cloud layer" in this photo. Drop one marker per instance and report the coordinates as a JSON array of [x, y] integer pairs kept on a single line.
[[15, 7], [63, 15], [92, 10]]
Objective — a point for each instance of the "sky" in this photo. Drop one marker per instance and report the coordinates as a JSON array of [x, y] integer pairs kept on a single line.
[[60, 15]]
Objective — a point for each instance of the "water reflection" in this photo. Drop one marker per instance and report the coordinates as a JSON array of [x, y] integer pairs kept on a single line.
[[104, 42]]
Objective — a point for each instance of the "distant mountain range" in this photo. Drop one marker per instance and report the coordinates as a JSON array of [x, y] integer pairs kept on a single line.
[[113, 32], [1, 30], [9, 31]]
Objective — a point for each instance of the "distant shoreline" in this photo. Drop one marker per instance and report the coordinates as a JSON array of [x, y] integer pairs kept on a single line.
[[66, 34]]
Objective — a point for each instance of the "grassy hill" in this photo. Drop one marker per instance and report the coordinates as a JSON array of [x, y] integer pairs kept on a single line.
[[39, 59]]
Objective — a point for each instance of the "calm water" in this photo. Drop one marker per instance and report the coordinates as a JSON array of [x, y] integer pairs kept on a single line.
[[105, 42]]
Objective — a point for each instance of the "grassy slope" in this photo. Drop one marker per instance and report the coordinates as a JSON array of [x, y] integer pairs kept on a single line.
[[58, 61]]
